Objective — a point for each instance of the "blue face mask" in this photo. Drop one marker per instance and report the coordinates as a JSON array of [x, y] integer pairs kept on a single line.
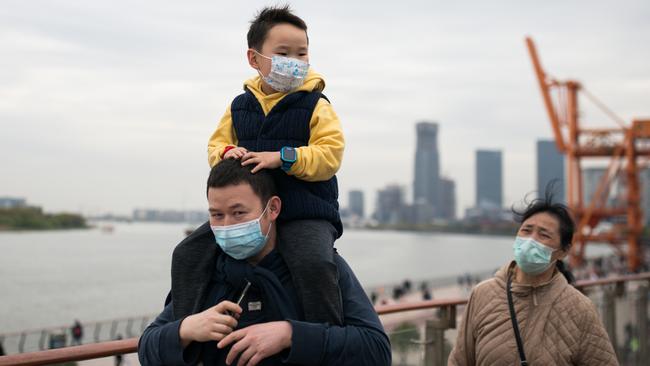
[[243, 240], [531, 256], [286, 73]]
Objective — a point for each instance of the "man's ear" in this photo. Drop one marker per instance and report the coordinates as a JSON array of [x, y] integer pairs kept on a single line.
[[252, 60], [275, 205]]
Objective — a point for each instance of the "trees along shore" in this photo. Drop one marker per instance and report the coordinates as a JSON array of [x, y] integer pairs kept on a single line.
[[33, 218]]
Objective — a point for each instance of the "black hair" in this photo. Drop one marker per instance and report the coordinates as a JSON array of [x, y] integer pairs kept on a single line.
[[266, 19], [558, 210], [230, 172]]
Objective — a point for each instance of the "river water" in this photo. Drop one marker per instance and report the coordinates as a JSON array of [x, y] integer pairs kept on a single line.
[[50, 278]]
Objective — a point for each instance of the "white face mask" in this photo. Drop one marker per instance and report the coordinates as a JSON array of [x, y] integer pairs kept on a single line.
[[286, 73]]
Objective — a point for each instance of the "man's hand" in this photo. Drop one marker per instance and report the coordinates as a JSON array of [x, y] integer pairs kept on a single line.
[[257, 342], [235, 153], [212, 324], [262, 160]]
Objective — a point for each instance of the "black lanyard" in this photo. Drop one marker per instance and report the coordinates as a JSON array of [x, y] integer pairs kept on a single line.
[[515, 326]]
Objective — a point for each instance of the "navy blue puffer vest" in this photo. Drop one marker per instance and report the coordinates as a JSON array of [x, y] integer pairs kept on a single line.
[[287, 124]]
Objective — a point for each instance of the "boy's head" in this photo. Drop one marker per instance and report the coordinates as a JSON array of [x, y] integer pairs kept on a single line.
[[276, 31]]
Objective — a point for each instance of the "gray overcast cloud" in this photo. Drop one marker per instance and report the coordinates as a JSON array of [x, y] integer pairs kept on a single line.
[[108, 106]]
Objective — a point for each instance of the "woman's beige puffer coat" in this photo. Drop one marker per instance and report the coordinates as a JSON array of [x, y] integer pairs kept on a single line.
[[558, 325]]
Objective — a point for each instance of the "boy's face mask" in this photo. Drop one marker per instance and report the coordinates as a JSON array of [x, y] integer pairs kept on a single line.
[[286, 73]]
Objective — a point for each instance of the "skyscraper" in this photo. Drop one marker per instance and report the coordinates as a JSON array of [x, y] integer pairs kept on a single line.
[[550, 168], [426, 185], [390, 205], [591, 178], [644, 184], [489, 181], [447, 199], [356, 203]]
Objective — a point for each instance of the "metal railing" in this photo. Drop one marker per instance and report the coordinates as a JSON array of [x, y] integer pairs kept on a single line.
[[433, 338], [61, 336]]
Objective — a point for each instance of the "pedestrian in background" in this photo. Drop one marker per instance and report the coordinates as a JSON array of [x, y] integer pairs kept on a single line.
[[77, 331]]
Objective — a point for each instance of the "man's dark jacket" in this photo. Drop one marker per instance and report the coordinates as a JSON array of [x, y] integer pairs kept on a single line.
[[361, 341]]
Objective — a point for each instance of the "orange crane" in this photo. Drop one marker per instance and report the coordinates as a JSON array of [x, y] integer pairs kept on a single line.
[[623, 146]]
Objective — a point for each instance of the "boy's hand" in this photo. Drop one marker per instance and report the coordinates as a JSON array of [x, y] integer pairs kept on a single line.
[[235, 153], [262, 160]]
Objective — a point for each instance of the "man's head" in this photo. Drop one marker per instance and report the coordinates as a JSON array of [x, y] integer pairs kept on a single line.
[[276, 31], [236, 196]]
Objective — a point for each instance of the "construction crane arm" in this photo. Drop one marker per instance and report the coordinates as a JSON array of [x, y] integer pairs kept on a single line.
[[546, 95]]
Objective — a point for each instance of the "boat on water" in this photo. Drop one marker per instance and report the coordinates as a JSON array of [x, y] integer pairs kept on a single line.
[[108, 228]]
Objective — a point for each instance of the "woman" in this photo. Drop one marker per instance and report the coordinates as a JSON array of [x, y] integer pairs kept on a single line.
[[557, 325]]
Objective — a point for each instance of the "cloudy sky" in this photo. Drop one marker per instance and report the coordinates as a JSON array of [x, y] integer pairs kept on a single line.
[[108, 105]]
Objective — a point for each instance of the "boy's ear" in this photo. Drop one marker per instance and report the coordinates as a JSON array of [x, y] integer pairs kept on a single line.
[[252, 60]]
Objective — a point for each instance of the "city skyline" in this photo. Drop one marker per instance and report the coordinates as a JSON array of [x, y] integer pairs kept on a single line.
[[113, 109]]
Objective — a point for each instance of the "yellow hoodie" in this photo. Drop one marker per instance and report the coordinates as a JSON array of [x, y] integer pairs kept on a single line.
[[317, 161]]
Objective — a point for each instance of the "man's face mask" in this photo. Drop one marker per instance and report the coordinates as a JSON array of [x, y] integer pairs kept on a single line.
[[531, 256], [242, 240], [286, 73]]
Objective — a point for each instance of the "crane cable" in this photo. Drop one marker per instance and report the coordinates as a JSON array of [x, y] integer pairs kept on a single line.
[[604, 108]]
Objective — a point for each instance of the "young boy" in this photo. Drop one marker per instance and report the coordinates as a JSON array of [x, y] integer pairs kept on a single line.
[[283, 123]]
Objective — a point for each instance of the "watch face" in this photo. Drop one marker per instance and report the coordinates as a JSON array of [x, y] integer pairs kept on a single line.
[[289, 154]]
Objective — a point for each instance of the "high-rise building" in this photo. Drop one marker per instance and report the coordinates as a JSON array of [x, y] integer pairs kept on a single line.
[[644, 187], [390, 205], [12, 202], [356, 203], [426, 185], [550, 168], [447, 199], [489, 181], [591, 178]]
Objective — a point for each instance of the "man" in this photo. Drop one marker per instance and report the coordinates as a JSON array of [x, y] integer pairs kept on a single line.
[[233, 300]]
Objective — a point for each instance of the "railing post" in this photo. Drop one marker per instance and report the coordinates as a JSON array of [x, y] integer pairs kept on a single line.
[[98, 328], [21, 343], [129, 324], [144, 324], [609, 316], [642, 321], [434, 336], [113, 329], [41, 341]]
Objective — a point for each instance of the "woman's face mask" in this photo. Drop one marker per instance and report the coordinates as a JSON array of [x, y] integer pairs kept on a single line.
[[242, 240], [532, 256], [286, 73]]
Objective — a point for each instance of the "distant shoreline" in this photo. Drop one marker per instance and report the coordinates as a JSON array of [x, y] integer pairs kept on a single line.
[[468, 229], [33, 219]]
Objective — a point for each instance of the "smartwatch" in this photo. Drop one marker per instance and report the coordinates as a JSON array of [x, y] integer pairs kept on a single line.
[[288, 156]]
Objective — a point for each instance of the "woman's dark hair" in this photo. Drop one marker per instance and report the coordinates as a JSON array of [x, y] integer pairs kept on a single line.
[[266, 19], [556, 209]]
